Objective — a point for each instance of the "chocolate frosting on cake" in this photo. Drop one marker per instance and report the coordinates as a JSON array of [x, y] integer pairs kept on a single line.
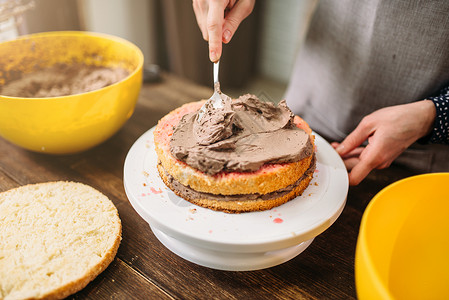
[[242, 136]]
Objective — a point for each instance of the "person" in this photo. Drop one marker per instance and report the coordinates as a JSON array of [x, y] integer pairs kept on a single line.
[[373, 75]]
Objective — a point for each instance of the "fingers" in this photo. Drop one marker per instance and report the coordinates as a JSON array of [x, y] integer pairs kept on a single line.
[[356, 138], [210, 17], [359, 171], [373, 156], [352, 158], [215, 19], [389, 131], [362, 160], [218, 27], [351, 162], [353, 153], [200, 8], [236, 15], [359, 159]]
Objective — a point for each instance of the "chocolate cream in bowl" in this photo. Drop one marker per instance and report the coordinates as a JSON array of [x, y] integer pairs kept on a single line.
[[61, 80]]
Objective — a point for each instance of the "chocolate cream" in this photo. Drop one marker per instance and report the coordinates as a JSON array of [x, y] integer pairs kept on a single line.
[[189, 193], [62, 80], [242, 136]]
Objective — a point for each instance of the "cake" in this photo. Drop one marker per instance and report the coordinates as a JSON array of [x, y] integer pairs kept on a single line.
[[55, 238], [247, 156]]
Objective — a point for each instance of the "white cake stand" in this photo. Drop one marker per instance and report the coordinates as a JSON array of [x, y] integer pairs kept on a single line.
[[235, 242]]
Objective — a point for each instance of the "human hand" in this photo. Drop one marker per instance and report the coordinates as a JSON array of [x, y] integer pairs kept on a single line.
[[389, 132], [218, 26]]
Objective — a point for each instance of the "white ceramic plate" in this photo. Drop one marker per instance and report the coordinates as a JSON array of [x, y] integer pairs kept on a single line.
[[288, 225]]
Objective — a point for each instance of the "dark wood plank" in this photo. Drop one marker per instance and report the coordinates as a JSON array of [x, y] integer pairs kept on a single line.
[[6, 182], [120, 281]]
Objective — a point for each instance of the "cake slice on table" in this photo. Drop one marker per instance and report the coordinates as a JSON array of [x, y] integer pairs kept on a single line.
[[55, 238], [247, 156]]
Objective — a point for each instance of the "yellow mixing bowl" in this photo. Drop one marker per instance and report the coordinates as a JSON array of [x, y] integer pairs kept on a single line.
[[403, 244], [74, 123]]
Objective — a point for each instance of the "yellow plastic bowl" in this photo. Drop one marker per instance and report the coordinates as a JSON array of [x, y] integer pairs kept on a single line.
[[403, 244], [68, 124]]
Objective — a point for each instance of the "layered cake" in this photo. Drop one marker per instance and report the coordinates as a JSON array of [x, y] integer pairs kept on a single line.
[[248, 155]]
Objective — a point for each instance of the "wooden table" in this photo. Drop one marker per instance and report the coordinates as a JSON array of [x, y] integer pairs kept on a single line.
[[144, 268]]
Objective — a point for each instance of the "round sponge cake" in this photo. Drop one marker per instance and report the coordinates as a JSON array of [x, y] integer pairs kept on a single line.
[[267, 180], [54, 239]]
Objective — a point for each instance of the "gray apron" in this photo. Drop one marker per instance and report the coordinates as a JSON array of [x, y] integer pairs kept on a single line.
[[360, 56]]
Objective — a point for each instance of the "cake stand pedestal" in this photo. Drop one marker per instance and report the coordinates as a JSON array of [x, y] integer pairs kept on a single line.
[[229, 261]]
